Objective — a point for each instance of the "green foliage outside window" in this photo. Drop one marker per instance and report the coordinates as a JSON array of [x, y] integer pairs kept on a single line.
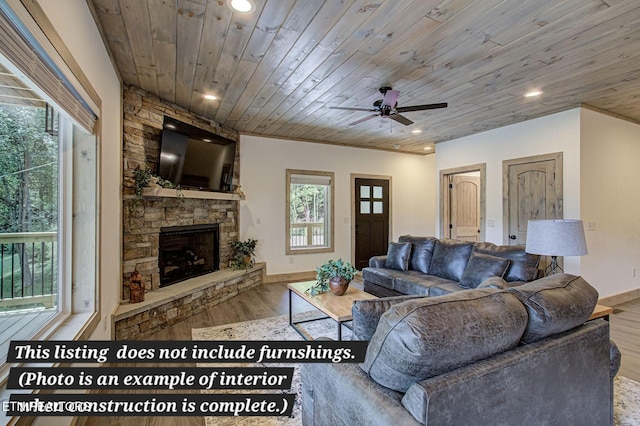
[[307, 203], [28, 171]]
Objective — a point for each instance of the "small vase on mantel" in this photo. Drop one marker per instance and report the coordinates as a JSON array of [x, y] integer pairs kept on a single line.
[[338, 285]]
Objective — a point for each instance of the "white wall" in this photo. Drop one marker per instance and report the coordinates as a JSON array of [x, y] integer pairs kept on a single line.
[[554, 133], [263, 162], [610, 199], [75, 25]]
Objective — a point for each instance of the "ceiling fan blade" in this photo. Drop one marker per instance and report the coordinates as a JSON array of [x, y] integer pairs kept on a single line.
[[362, 120], [401, 119], [390, 98], [353, 109], [421, 107]]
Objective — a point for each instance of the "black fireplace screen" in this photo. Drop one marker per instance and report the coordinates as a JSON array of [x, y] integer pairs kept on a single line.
[[187, 252]]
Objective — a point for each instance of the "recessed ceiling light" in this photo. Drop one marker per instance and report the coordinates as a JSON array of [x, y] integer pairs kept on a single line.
[[428, 148], [533, 93], [210, 97], [242, 6], [415, 132]]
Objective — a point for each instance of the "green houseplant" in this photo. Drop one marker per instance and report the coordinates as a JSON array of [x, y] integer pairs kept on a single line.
[[243, 252], [145, 178], [334, 275]]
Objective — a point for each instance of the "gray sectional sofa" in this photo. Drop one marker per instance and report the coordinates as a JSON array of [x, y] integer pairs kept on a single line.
[[433, 267], [524, 355]]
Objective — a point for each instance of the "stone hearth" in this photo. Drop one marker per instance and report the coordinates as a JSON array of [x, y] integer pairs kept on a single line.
[[170, 305]]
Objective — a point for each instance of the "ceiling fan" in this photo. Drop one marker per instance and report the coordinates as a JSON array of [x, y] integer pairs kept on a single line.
[[388, 108]]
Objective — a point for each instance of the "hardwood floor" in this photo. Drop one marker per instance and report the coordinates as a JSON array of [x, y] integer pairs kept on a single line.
[[271, 300], [625, 331], [267, 300]]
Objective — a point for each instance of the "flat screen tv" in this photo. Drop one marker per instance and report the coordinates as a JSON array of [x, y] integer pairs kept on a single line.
[[195, 158]]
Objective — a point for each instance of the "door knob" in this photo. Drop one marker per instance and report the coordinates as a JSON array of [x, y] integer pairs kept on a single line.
[[512, 237]]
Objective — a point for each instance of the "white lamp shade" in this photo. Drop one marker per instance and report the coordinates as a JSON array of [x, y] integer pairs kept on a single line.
[[556, 237]]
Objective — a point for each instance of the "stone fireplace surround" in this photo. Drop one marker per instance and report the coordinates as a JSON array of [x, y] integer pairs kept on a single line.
[[142, 219]]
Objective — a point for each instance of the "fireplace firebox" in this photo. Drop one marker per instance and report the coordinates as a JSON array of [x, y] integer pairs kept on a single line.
[[187, 252]]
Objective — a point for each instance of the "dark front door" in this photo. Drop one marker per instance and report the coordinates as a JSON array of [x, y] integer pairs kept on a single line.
[[372, 219]]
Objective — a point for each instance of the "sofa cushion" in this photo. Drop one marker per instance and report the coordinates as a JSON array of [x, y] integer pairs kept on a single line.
[[426, 337], [418, 283], [450, 258], [524, 266], [493, 282], [398, 256], [444, 288], [413, 282], [555, 304], [482, 266], [367, 312], [421, 251]]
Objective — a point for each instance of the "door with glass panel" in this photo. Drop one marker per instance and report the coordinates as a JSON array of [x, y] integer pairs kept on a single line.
[[371, 219]]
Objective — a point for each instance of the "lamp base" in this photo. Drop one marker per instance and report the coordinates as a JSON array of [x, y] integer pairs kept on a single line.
[[553, 267]]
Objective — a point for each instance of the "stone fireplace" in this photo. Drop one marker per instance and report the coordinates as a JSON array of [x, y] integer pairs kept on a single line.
[[188, 252], [200, 279], [144, 218]]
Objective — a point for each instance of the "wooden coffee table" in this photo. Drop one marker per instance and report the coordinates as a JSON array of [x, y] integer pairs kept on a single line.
[[337, 308], [601, 311]]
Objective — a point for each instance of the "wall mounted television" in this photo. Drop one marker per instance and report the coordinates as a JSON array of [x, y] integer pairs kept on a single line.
[[195, 158]]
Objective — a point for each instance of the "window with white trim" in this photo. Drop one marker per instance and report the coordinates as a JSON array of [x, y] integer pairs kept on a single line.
[[309, 211], [48, 192]]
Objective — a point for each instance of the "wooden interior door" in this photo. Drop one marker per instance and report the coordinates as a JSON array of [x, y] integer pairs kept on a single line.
[[465, 207], [533, 190], [371, 219]]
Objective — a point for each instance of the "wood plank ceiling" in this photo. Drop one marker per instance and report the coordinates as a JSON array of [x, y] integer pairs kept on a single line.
[[276, 71]]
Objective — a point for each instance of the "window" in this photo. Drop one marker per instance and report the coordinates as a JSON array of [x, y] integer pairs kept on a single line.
[[309, 211], [48, 194]]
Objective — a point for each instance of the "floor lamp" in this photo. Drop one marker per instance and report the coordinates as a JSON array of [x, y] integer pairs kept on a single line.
[[555, 237]]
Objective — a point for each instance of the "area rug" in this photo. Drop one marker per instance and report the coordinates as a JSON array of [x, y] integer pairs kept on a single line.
[[626, 391]]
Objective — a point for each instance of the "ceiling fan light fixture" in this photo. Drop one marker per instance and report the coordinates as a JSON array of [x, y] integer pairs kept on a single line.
[[242, 6], [533, 93]]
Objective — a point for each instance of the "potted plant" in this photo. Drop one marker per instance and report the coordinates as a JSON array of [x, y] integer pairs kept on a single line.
[[145, 178], [334, 275], [243, 252]]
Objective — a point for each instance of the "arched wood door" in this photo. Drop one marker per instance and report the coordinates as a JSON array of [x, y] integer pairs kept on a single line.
[[532, 190]]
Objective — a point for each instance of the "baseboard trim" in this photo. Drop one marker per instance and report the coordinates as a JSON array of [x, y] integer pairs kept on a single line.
[[295, 276], [617, 299]]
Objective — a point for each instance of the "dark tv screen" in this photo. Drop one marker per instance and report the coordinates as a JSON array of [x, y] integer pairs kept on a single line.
[[195, 158]]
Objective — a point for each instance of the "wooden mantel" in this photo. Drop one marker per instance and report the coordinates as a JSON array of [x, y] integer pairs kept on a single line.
[[167, 192]]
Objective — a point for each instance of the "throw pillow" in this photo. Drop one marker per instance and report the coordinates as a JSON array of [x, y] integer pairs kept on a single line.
[[450, 257], [524, 266], [425, 337], [398, 256], [483, 266], [421, 251]]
